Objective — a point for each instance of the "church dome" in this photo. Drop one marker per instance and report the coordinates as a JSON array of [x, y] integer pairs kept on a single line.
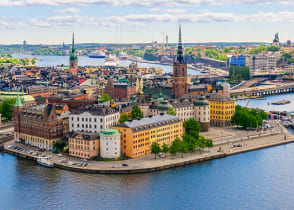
[[201, 101], [164, 106]]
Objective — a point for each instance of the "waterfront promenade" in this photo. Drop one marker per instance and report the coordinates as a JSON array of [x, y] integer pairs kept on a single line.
[[149, 164]]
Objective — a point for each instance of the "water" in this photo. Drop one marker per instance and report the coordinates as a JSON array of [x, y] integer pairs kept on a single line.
[[86, 61], [267, 103], [261, 179]]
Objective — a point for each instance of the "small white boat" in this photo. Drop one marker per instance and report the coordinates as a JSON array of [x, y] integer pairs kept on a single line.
[[44, 161]]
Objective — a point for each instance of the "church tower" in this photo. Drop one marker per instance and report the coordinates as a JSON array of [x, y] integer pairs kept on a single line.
[[17, 109], [180, 77], [73, 59]]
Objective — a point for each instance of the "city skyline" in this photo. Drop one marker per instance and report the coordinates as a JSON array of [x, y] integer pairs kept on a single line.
[[120, 21]]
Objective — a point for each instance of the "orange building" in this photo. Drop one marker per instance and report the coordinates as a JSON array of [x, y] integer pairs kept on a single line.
[[84, 145], [138, 135]]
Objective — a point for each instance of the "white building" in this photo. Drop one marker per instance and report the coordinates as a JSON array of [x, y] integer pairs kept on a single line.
[[202, 113], [110, 144], [93, 119]]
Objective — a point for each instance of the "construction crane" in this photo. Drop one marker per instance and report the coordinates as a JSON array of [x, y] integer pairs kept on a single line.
[[251, 94]]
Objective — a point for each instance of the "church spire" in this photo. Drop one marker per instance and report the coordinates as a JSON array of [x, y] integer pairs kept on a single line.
[[180, 57], [73, 42], [18, 102]]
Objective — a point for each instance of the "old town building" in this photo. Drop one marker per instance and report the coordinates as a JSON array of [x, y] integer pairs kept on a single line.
[[138, 135], [93, 119], [222, 109], [180, 78], [39, 125], [120, 91], [83, 145], [110, 144]]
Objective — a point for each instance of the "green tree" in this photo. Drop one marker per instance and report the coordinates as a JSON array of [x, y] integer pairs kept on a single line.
[[123, 118], [7, 108], [164, 148], [171, 111], [155, 149], [136, 112], [183, 148], [58, 146], [105, 97], [173, 150], [192, 125]]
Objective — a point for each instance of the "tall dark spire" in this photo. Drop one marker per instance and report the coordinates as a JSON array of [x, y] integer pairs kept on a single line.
[[180, 57], [73, 42]]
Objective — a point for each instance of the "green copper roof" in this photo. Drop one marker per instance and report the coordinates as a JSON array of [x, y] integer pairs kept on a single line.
[[164, 106], [110, 132], [18, 101], [201, 102], [73, 55]]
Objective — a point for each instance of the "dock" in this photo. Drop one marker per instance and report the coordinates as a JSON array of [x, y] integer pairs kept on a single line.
[[283, 102]]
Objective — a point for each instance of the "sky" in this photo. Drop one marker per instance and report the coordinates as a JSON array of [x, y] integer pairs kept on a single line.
[[138, 21]]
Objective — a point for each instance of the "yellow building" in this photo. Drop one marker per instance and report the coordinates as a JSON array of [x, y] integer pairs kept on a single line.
[[138, 135], [222, 109]]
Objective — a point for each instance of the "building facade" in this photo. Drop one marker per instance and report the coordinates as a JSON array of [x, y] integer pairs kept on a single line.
[[110, 144], [39, 126], [83, 145], [93, 119], [73, 59], [180, 78], [138, 135], [222, 109]]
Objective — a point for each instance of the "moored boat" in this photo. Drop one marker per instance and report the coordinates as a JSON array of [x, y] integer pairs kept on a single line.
[[44, 161]]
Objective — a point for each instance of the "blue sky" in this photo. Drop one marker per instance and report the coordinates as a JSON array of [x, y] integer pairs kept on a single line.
[[114, 21]]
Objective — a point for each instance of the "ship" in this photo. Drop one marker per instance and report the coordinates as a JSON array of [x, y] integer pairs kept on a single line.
[[123, 56], [111, 61], [44, 161], [97, 54]]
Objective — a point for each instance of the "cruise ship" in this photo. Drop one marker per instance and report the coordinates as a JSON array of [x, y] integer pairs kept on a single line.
[[123, 56], [111, 61], [97, 54]]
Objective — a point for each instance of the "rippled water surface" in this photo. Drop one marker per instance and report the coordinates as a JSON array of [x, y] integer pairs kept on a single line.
[[261, 179]]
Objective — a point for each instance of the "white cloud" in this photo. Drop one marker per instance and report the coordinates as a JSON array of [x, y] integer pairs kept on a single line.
[[68, 10], [176, 11], [144, 3], [154, 9], [143, 19]]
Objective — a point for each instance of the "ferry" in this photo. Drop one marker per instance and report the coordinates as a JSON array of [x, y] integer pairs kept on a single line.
[[44, 161], [111, 61], [123, 56], [97, 54]]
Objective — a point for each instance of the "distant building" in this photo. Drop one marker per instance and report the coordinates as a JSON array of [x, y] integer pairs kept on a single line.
[[289, 43], [73, 59], [120, 91], [276, 41]]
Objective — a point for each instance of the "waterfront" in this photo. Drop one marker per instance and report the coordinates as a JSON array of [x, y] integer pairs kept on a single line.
[[86, 61], [256, 180], [267, 103]]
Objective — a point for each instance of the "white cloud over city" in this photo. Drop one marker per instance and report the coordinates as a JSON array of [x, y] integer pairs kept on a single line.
[[143, 3], [141, 19]]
